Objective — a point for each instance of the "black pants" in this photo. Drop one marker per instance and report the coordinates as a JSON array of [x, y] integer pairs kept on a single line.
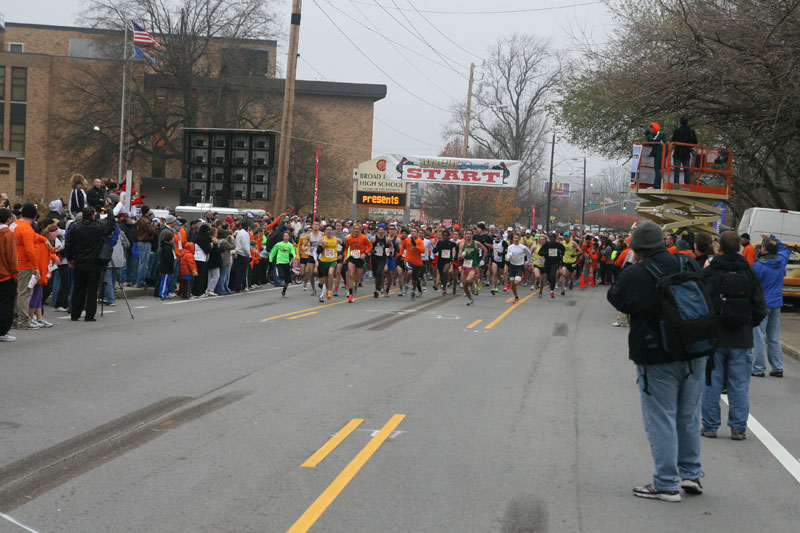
[[378, 264], [552, 275], [84, 293], [240, 271], [201, 281], [8, 298], [64, 287], [417, 272]]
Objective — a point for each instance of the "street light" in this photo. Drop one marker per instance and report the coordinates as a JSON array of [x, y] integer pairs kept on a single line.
[[96, 128]]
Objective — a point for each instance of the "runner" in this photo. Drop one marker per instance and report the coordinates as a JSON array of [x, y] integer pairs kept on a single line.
[[285, 252], [518, 255], [469, 251], [339, 233], [553, 252], [357, 247], [529, 242], [402, 273], [391, 260], [382, 248], [539, 272], [572, 252], [304, 253], [499, 247], [485, 238], [327, 253], [444, 251], [412, 248]]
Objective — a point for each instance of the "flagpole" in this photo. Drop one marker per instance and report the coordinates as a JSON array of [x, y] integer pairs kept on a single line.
[[122, 109], [316, 185]]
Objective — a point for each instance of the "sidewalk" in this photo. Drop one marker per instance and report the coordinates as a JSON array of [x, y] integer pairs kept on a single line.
[[790, 332]]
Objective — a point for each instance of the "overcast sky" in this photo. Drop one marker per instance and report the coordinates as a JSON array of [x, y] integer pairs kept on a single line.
[[404, 123]]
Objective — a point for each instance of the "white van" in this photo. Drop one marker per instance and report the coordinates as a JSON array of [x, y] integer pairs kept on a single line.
[[782, 223]]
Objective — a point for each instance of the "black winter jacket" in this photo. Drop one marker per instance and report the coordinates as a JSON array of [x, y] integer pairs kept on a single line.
[[85, 240], [739, 337], [683, 134], [634, 293]]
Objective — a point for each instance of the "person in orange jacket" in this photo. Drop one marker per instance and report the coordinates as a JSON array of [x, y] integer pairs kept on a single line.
[[27, 261], [188, 270], [44, 256]]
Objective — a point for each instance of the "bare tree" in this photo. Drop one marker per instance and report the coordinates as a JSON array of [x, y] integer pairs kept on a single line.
[[510, 105]]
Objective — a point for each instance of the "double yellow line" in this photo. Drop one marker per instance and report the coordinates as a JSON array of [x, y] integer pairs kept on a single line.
[[314, 309], [312, 514]]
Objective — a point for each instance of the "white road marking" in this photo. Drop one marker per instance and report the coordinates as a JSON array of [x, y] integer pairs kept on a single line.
[[23, 526], [64, 317], [401, 312], [141, 307], [373, 432], [783, 456]]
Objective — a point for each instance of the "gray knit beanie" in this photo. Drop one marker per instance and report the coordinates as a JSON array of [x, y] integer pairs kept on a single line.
[[647, 237]]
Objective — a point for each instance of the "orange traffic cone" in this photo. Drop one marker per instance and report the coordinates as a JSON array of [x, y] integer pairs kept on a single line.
[[591, 278], [582, 283]]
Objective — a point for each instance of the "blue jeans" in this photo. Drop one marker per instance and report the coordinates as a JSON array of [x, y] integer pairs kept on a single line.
[[686, 164], [112, 275], [733, 364], [671, 414], [176, 269], [131, 268], [224, 280], [767, 338], [144, 263], [55, 288]]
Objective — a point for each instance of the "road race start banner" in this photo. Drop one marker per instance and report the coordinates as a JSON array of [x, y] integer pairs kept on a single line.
[[452, 170]]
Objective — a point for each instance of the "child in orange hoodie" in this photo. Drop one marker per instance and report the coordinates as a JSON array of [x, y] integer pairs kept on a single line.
[[188, 270]]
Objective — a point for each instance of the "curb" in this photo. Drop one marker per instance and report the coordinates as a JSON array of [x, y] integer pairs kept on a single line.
[[790, 349]]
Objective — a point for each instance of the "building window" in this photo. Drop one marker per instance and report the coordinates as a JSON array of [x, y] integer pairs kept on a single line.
[[19, 84], [17, 138], [16, 48], [2, 83], [20, 181]]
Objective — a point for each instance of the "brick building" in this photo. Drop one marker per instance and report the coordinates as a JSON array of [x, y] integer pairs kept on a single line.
[[36, 61]]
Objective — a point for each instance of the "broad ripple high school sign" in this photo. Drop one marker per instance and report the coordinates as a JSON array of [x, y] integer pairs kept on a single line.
[[450, 170]]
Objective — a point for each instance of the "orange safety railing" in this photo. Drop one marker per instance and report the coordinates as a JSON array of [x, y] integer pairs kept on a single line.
[[709, 170]]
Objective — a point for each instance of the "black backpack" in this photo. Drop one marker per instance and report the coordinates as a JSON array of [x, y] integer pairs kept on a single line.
[[735, 293], [687, 319]]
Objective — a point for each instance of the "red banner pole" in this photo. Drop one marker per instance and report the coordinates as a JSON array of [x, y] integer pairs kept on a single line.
[[533, 216], [316, 186]]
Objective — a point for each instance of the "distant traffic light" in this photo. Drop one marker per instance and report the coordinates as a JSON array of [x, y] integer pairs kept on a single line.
[[624, 206], [555, 209]]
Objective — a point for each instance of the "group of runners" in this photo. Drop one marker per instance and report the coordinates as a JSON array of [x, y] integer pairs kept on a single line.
[[472, 258]]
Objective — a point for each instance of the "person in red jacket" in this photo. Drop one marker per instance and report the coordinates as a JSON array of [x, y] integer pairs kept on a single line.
[[357, 246], [188, 270], [27, 256], [9, 273], [414, 247]]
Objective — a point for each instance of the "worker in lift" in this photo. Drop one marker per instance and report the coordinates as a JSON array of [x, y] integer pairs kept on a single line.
[[682, 155], [655, 135]]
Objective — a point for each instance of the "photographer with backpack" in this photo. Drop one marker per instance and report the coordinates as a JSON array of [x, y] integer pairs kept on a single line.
[[672, 331], [739, 304]]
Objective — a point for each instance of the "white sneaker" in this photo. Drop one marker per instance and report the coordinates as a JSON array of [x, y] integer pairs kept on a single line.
[[211, 293], [43, 323], [32, 325], [7, 338], [61, 309]]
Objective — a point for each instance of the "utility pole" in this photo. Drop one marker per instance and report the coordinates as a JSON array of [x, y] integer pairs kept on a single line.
[[550, 188], [288, 110], [583, 198], [461, 191]]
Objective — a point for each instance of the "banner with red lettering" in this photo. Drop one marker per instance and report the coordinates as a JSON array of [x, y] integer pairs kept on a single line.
[[452, 170]]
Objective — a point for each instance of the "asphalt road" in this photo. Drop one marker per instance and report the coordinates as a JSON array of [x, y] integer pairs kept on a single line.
[[197, 416]]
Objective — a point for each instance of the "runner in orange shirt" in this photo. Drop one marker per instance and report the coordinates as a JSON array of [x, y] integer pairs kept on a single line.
[[357, 247]]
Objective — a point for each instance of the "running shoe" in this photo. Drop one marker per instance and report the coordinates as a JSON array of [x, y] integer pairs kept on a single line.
[[386, 294], [43, 323], [692, 486], [540, 294], [413, 295], [494, 291], [321, 298], [738, 434], [516, 300], [330, 295], [336, 292], [32, 325], [305, 288], [552, 295], [350, 298], [470, 301], [480, 286], [374, 295], [313, 292], [7, 338], [507, 287], [284, 295], [648, 491]]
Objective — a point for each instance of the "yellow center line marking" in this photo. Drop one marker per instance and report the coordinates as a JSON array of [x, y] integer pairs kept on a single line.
[[510, 300], [494, 322], [317, 307], [312, 514], [475, 323], [301, 316], [332, 443]]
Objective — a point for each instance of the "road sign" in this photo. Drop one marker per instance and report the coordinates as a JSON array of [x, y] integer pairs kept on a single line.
[[380, 199], [592, 204], [447, 222]]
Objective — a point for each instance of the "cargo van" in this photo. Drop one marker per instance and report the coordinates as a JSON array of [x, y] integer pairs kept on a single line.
[[782, 223]]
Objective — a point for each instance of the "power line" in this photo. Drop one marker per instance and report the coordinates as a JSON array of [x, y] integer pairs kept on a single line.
[[418, 33], [441, 32], [401, 45], [412, 93], [500, 12], [413, 65]]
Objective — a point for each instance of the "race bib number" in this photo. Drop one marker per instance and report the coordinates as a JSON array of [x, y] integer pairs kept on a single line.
[[445, 254], [330, 253], [355, 254], [379, 250], [552, 252], [306, 249], [468, 263], [516, 258], [338, 247]]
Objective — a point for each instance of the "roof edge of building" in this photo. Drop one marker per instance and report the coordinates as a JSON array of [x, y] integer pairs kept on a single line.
[[109, 31], [370, 91]]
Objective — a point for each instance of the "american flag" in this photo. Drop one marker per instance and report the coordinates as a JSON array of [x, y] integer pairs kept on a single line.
[[142, 36]]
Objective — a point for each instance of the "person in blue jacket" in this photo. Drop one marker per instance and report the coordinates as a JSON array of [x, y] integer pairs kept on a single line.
[[771, 269]]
